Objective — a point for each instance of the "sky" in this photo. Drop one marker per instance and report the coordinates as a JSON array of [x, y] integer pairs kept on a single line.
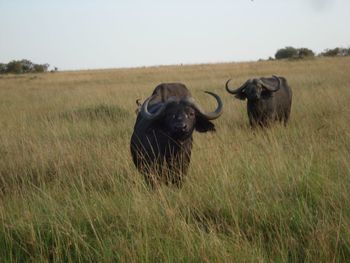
[[92, 34]]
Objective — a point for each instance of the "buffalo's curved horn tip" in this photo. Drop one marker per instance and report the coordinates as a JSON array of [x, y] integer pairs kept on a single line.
[[151, 116], [146, 114], [234, 91], [210, 115]]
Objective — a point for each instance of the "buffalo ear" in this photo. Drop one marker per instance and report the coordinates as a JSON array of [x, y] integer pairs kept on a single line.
[[203, 125], [270, 84]]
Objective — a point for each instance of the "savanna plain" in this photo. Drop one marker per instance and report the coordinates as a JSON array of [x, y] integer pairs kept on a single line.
[[69, 191]]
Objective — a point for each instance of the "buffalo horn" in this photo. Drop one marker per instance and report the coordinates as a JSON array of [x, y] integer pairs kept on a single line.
[[235, 91], [151, 116], [210, 115]]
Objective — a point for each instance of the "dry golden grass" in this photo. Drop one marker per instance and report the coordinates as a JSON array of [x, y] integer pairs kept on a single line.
[[69, 191]]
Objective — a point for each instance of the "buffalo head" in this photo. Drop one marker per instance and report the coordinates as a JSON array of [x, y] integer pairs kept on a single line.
[[255, 89], [179, 117], [268, 99]]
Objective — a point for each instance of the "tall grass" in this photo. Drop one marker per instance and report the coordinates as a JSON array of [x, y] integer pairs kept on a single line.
[[69, 191]]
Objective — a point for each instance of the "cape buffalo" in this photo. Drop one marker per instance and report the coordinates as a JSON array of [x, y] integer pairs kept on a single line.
[[161, 143], [269, 99]]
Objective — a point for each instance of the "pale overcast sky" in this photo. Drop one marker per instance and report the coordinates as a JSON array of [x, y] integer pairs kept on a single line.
[[88, 34]]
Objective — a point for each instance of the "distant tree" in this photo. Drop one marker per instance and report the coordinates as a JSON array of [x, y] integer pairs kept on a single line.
[[338, 51], [330, 52], [23, 66], [343, 52], [287, 52], [41, 68], [14, 66], [295, 53], [3, 68], [27, 65], [55, 69], [305, 52]]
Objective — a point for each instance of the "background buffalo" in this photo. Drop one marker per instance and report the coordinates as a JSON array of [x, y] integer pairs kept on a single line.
[[269, 99]]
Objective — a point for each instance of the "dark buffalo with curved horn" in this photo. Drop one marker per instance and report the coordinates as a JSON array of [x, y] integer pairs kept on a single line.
[[269, 99], [161, 143]]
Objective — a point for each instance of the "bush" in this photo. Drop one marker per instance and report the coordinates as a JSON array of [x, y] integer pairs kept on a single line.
[[287, 52], [22, 66], [3, 68], [330, 52], [41, 68], [14, 67], [338, 51], [305, 52], [27, 65], [291, 52]]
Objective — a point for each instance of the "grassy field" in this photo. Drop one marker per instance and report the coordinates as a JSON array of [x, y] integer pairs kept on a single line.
[[69, 190]]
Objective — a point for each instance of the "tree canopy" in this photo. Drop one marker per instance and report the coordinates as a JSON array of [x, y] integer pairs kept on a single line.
[[23, 66]]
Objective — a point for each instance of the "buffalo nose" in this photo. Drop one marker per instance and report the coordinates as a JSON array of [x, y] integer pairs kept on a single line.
[[180, 127]]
